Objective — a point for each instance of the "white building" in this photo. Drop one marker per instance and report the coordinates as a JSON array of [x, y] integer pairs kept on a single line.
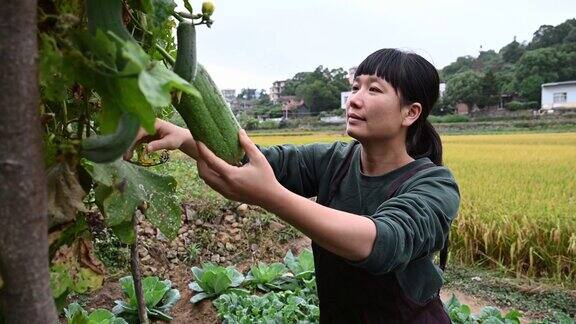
[[343, 98], [229, 95], [276, 90], [559, 95]]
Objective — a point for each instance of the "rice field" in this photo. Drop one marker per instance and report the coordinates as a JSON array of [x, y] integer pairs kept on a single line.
[[518, 208]]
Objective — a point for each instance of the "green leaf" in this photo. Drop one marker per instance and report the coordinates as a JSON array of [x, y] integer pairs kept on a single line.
[[489, 311], [219, 282], [195, 286], [138, 60], [53, 82], [236, 277], [100, 316], [188, 6], [123, 94], [303, 266], [87, 280], [169, 300], [127, 284], [132, 185], [73, 310], [125, 232], [157, 82], [60, 279], [198, 297], [154, 290], [159, 10], [513, 315], [452, 303]]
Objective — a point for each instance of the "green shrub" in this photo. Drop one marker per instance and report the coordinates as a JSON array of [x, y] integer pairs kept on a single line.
[[249, 123], [449, 119], [268, 124], [522, 105]]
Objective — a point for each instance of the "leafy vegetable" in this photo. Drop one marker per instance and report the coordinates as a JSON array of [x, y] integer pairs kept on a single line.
[[75, 314], [284, 307], [302, 266], [158, 296], [267, 277], [213, 280]]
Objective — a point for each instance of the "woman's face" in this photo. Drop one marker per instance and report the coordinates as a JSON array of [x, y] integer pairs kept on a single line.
[[374, 110]]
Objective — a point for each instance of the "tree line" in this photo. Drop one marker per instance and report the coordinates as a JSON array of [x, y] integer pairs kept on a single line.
[[517, 70]]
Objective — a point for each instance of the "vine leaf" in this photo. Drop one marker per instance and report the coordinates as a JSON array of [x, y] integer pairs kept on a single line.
[[188, 6], [123, 187], [53, 82], [154, 79], [158, 10]]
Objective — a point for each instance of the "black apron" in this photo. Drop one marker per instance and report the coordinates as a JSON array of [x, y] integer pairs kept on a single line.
[[349, 294]]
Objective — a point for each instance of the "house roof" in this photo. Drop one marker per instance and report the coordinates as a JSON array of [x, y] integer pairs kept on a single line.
[[558, 83]]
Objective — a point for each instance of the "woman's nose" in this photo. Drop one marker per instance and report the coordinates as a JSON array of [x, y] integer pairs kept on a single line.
[[355, 100]]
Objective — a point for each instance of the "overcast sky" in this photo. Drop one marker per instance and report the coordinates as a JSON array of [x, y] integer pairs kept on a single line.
[[255, 42]]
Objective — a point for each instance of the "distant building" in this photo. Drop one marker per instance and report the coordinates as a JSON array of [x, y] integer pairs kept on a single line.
[[292, 107], [462, 109], [559, 95], [276, 90], [442, 89], [343, 98], [229, 95]]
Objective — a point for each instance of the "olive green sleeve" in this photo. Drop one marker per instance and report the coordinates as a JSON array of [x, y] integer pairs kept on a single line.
[[415, 223], [299, 167]]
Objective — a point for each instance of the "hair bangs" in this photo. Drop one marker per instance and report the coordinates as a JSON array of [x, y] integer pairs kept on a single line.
[[385, 64]]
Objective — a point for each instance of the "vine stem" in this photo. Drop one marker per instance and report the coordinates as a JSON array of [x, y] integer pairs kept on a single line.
[[189, 16], [136, 275], [165, 54], [178, 16]]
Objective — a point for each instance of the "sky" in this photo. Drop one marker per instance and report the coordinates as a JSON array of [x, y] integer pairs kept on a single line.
[[253, 43]]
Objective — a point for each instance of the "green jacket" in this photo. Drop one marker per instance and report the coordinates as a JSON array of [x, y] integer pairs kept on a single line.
[[410, 226]]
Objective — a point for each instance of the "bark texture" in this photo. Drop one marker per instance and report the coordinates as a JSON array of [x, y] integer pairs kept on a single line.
[[26, 296]]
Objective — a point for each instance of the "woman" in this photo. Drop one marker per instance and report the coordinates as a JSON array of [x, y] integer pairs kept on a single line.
[[384, 202]]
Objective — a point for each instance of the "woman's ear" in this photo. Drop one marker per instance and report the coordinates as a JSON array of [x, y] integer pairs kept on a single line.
[[411, 113]]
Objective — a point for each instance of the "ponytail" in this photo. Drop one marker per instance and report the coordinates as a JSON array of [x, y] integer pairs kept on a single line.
[[422, 140]]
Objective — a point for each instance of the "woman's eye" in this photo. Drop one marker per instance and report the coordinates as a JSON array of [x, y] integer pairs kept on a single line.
[[355, 88], [374, 89]]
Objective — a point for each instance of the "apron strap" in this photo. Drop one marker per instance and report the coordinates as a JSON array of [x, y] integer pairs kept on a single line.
[[340, 173]]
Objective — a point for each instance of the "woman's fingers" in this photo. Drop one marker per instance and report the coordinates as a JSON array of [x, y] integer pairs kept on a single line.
[[210, 177], [168, 142], [141, 137], [249, 147], [214, 162]]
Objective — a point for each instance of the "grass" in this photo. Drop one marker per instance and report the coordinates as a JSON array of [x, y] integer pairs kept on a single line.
[[539, 300]]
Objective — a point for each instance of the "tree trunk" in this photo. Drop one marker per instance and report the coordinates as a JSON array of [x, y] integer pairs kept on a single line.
[[26, 296]]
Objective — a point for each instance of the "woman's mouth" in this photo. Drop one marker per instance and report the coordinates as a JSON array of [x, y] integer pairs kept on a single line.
[[354, 117]]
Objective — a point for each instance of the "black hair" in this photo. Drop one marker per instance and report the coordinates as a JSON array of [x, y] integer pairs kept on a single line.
[[415, 80]]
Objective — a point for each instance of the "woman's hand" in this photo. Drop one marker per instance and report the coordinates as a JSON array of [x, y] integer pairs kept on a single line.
[[251, 183], [167, 137]]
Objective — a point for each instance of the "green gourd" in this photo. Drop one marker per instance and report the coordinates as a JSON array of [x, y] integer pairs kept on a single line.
[[206, 113]]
